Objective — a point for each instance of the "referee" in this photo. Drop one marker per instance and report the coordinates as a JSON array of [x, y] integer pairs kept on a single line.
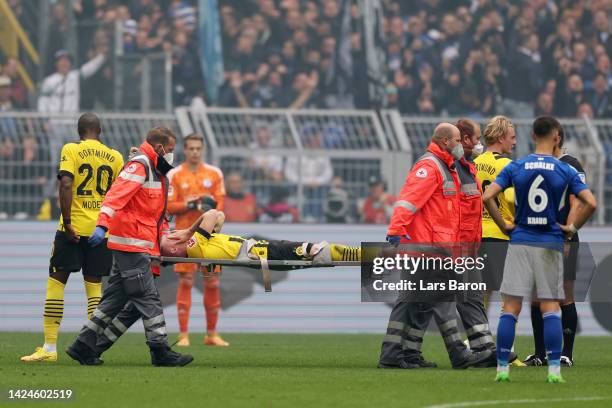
[[569, 315], [86, 171]]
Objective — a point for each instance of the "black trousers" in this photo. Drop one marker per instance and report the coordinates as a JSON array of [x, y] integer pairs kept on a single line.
[[131, 294]]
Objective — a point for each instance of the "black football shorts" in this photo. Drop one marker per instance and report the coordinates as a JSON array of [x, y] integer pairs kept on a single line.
[[72, 257]]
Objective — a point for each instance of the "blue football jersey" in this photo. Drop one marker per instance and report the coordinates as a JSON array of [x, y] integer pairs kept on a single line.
[[541, 185]]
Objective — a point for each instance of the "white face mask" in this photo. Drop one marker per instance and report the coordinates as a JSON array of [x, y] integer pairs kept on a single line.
[[457, 151], [169, 157], [477, 150]]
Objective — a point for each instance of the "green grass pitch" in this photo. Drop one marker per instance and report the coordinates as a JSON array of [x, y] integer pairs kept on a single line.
[[293, 370]]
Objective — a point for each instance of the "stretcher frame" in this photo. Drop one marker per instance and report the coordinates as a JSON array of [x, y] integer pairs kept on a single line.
[[263, 264]]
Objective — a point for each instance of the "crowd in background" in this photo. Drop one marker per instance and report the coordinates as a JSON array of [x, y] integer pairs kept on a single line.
[[460, 57], [471, 58]]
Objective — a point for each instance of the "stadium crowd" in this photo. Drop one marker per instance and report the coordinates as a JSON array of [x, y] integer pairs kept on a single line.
[[461, 57]]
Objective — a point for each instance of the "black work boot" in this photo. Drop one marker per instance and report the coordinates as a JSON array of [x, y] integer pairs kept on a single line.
[[83, 354], [163, 356], [472, 358], [421, 362], [402, 364]]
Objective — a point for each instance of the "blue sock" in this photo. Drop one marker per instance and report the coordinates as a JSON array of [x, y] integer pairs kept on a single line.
[[505, 337], [553, 337]]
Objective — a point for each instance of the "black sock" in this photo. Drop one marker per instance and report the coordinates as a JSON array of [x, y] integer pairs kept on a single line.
[[569, 320], [537, 323]]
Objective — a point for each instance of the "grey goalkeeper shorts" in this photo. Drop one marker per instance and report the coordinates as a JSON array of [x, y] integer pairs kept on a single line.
[[533, 272]]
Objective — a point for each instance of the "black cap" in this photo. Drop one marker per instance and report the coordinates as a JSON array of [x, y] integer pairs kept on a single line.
[[375, 179]]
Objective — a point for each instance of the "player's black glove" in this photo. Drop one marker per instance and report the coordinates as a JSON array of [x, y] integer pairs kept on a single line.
[[207, 203], [193, 204]]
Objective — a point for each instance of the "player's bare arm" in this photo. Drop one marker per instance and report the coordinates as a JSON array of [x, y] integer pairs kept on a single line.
[[182, 236], [575, 205], [586, 209], [211, 221], [65, 195], [489, 201], [220, 221]]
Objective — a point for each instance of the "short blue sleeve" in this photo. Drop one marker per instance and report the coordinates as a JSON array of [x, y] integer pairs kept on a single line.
[[504, 178], [576, 184]]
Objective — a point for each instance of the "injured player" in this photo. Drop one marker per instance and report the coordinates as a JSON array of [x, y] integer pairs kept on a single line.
[[204, 240]]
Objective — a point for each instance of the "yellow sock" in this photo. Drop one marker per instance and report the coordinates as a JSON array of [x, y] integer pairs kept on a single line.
[[345, 253], [54, 310], [94, 293]]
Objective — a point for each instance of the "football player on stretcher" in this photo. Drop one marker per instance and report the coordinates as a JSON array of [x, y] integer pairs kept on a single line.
[[204, 240]]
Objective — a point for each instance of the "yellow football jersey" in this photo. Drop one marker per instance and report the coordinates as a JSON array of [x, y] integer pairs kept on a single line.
[[94, 167], [489, 165], [218, 246]]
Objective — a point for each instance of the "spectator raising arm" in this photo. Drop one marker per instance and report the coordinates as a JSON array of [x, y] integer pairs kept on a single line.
[[92, 66], [307, 91]]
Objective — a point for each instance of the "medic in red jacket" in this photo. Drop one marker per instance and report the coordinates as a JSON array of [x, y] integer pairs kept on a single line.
[[428, 207], [134, 208]]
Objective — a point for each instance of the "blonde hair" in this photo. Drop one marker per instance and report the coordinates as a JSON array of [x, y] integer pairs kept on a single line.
[[497, 127]]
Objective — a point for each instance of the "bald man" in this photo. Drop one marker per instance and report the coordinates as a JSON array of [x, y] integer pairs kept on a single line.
[[428, 211]]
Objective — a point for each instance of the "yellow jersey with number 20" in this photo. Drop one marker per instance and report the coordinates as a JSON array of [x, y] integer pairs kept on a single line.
[[489, 165], [93, 166]]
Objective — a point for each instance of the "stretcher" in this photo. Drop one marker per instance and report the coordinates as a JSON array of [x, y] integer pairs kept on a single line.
[[262, 264]]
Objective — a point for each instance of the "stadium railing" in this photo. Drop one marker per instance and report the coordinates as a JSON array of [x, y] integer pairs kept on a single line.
[[302, 155], [309, 155], [30, 144]]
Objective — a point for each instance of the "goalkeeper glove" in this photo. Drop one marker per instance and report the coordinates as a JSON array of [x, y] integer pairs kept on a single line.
[[193, 204], [203, 203], [207, 203]]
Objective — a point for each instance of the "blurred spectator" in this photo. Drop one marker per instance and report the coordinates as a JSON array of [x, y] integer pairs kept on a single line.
[[338, 208], [30, 171], [278, 209], [50, 208], [6, 103], [569, 96], [263, 165], [8, 127], [377, 207], [584, 109], [599, 97], [601, 31], [240, 206], [187, 78], [524, 78], [58, 34], [603, 66], [583, 64], [19, 92], [183, 14], [302, 93], [544, 106], [98, 89], [315, 173], [60, 91]]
